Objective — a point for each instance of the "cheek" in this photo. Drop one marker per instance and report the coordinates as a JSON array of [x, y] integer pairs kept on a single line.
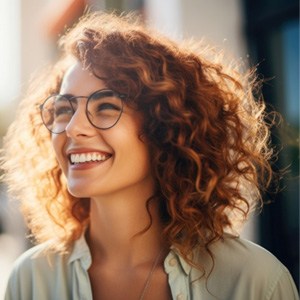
[[139, 157], [58, 143]]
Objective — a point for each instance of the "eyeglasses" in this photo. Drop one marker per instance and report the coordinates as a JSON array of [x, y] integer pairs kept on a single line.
[[103, 109]]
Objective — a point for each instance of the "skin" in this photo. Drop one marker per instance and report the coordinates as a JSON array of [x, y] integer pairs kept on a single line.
[[118, 188]]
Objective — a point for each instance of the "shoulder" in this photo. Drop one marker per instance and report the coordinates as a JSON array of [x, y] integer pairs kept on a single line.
[[38, 266], [39, 258], [241, 253], [241, 269]]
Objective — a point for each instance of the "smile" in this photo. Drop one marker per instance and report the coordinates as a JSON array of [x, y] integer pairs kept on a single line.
[[79, 158]]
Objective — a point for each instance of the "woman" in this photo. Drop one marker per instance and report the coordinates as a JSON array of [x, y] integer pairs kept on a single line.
[[159, 154]]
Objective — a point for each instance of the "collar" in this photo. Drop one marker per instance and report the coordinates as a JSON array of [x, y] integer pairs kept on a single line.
[[81, 252], [173, 261]]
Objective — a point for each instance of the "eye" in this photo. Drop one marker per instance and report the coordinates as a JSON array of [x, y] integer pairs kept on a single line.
[[64, 110], [107, 106], [104, 103]]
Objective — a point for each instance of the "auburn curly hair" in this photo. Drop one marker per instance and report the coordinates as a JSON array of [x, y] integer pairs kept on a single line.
[[208, 138]]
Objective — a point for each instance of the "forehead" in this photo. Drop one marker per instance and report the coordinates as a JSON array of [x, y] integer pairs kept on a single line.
[[80, 82]]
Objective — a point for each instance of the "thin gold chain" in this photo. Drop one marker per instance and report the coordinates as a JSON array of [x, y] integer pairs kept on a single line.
[[149, 277]]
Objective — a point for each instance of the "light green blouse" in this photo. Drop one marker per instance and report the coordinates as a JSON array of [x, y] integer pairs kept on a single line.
[[242, 271]]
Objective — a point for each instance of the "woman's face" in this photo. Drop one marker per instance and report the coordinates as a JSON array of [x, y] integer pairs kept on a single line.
[[124, 163]]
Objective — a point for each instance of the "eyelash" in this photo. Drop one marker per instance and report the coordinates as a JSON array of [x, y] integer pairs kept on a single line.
[[107, 105], [63, 110]]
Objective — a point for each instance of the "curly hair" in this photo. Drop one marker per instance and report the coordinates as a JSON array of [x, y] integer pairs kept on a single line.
[[205, 121]]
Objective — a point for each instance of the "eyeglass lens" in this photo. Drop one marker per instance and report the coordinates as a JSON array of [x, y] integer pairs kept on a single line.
[[103, 109]]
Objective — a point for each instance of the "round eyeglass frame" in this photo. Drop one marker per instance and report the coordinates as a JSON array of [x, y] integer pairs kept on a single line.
[[122, 97]]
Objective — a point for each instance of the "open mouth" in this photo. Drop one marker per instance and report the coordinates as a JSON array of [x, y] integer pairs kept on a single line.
[[90, 157]]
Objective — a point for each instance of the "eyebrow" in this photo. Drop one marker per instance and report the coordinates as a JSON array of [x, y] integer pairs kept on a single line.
[[70, 97]]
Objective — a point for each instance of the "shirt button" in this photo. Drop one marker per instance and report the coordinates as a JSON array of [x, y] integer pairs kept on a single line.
[[173, 262], [180, 297]]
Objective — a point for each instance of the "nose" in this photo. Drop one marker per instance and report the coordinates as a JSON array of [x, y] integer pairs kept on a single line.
[[79, 125]]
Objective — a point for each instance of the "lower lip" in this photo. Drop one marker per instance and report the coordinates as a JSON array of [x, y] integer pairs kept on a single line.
[[87, 165]]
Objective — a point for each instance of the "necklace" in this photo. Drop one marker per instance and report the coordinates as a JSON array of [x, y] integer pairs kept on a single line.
[[149, 277]]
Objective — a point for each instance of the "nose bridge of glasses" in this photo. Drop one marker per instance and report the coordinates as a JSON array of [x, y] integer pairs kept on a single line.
[[73, 101], [79, 104], [79, 111]]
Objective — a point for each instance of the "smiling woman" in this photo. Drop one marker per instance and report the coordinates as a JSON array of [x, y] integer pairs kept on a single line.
[[137, 170]]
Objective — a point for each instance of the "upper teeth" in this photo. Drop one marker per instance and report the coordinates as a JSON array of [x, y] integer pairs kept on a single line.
[[86, 157]]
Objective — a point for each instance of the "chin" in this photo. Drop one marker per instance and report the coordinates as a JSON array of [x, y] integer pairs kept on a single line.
[[78, 192]]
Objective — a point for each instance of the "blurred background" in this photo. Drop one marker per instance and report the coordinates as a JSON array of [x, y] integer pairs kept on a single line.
[[263, 32]]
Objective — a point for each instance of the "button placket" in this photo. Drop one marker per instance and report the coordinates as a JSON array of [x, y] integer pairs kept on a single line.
[[178, 280], [180, 297]]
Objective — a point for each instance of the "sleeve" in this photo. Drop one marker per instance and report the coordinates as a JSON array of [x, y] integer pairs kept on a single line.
[[38, 275], [22, 277], [17, 289], [285, 288]]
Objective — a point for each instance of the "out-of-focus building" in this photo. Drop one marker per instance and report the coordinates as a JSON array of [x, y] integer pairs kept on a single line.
[[260, 32]]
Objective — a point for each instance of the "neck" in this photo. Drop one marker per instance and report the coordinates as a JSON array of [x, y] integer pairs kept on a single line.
[[118, 223]]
